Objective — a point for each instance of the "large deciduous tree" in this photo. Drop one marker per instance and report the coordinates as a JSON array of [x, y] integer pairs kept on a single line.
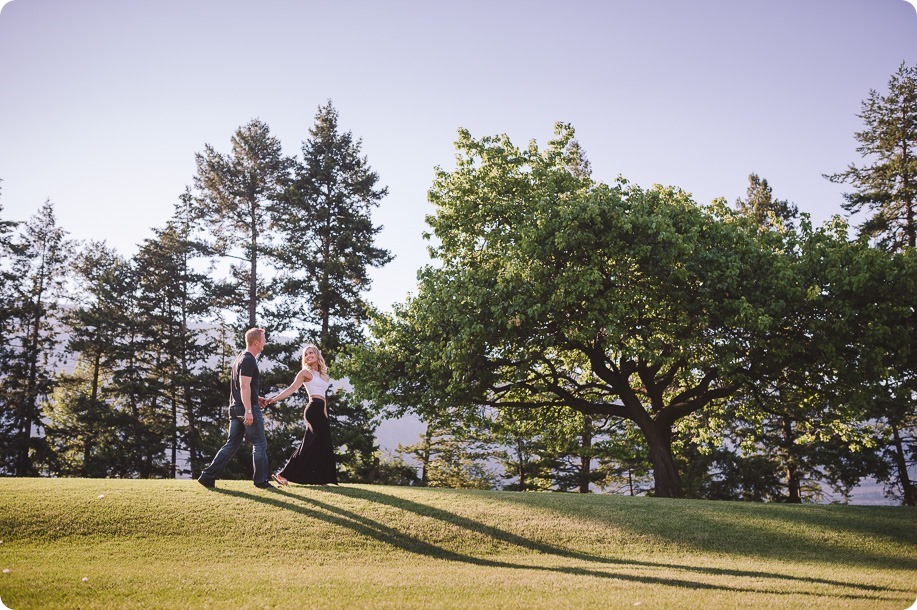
[[553, 290]]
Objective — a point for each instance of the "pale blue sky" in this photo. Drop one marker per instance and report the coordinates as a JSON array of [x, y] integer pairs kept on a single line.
[[103, 103]]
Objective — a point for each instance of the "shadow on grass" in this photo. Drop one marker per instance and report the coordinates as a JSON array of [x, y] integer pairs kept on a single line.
[[832, 530], [360, 524]]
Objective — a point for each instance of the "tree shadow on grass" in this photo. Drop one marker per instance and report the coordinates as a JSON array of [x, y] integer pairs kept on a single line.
[[370, 528], [548, 549], [824, 533]]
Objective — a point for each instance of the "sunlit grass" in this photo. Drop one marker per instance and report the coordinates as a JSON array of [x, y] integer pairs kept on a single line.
[[174, 544]]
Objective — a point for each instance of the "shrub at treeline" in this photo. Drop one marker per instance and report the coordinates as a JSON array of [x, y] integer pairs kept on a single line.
[[578, 334]]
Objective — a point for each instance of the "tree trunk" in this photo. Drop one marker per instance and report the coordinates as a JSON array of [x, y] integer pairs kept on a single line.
[[585, 456], [667, 481], [521, 460], [31, 394], [324, 297], [793, 483], [253, 278], [427, 453], [909, 492], [190, 414], [174, 466], [910, 229], [94, 413]]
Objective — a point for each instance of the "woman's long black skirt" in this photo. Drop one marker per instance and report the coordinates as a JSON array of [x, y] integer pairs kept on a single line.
[[313, 462]]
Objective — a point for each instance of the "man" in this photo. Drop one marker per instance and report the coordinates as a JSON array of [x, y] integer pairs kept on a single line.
[[245, 418]]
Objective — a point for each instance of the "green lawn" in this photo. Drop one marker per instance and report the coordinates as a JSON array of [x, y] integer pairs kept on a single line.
[[80, 543]]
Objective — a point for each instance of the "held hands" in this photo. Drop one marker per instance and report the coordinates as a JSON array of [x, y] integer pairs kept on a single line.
[[263, 402]]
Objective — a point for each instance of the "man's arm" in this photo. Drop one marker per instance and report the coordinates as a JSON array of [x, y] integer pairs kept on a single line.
[[245, 384]]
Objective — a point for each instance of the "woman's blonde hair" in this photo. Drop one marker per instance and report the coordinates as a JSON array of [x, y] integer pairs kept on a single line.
[[322, 367]]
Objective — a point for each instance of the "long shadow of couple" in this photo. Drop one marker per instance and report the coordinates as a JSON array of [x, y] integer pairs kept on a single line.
[[335, 515]]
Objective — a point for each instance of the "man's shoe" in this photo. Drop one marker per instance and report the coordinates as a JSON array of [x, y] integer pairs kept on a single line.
[[264, 485], [206, 482]]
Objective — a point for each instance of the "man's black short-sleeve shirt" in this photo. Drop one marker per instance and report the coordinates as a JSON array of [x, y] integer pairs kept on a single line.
[[245, 364]]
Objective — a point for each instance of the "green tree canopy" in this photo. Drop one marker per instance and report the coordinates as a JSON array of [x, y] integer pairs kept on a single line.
[[553, 290]]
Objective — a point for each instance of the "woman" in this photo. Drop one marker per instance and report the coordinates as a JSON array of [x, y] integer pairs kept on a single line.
[[313, 462]]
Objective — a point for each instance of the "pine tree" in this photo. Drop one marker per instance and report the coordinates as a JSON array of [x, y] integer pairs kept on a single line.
[[177, 304], [761, 205], [83, 424], [238, 201], [328, 235], [83, 431], [39, 268], [324, 250], [887, 187], [453, 455], [8, 248], [886, 190]]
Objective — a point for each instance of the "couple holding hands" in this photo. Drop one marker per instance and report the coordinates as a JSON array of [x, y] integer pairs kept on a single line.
[[313, 461]]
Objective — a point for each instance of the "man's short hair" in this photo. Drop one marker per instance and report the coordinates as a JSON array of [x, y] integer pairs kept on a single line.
[[254, 334]]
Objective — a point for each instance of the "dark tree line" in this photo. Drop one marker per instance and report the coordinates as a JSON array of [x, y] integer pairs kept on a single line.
[[117, 366]]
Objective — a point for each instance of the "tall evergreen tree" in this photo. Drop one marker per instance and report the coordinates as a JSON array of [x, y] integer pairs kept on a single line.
[[897, 438], [143, 442], [328, 235], [552, 448], [781, 414], [39, 265], [886, 187], [8, 248], [238, 201], [324, 250], [83, 424], [624, 460], [177, 304], [84, 431]]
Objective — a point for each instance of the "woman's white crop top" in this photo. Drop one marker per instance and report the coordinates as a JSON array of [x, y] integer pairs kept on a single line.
[[317, 386]]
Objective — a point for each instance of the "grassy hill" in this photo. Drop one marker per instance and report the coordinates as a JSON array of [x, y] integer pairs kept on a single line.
[[78, 543]]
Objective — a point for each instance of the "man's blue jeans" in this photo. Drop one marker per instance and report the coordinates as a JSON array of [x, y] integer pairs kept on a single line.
[[238, 431]]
